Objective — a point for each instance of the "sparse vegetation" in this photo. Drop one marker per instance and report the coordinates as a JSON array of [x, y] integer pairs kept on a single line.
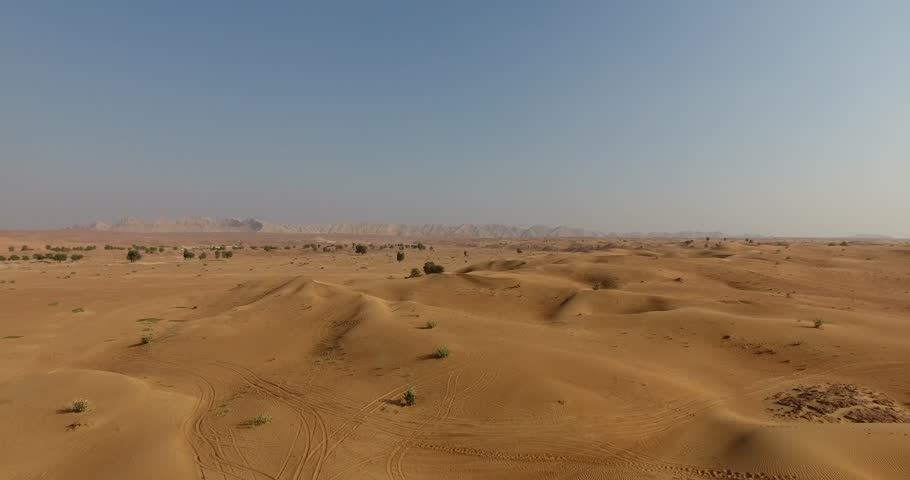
[[410, 398], [431, 268], [78, 406], [76, 257], [202, 256], [227, 254], [78, 310], [261, 419], [415, 273], [146, 339], [399, 256], [431, 324], [817, 323], [187, 254], [133, 255], [360, 249], [441, 352]]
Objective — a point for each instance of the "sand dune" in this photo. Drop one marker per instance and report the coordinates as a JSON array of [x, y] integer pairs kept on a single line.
[[650, 360]]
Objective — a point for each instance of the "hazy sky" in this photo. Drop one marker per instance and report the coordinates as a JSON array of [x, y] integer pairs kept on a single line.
[[789, 118]]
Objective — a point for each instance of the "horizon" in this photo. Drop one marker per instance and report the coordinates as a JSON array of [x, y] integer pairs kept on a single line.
[[788, 120], [591, 233]]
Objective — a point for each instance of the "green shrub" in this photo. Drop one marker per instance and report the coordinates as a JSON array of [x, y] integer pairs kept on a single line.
[[133, 255], [431, 267], [227, 254], [38, 256], [76, 257], [360, 249], [415, 273], [14, 257], [188, 254], [261, 419], [441, 352], [421, 246], [399, 256], [25, 257], [78, 310], [431, 324], [410, 398], [818, 322], [145, 340], [59, 257], [2, 258], [78, 406]]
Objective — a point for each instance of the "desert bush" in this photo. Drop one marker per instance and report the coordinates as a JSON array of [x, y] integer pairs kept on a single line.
[[217, 254], [78, 310], [202, 256], [133, 255], [415, 273], [421, 246], [78, 406], [400, 256], [25, 248], [25, 257], [76, 257], [410, 398], [2, 258], [441, 352], [59, 257], [14, 257], [817, 323], [261, 419], [227, 253], [431, 324], [360, 249], [518, 250], [430, 267], [38, 256], [187, 254], [146, 339]]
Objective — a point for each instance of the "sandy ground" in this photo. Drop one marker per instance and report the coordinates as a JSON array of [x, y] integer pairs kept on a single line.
[[650, 360]]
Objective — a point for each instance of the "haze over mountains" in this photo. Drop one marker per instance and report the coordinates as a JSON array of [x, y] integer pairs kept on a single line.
[[207, 224]]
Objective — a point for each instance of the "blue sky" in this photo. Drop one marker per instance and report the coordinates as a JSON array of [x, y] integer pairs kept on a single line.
[[788, 118]]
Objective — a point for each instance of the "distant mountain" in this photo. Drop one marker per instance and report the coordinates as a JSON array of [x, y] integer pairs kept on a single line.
[[206, 224]]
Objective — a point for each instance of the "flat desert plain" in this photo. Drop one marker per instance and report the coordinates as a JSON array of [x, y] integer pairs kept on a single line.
[[645, 359]]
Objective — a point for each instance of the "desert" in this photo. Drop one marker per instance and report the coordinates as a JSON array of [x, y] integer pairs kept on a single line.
[[297, 357]]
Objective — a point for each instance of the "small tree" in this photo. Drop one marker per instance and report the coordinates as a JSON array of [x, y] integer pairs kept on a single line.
[[410, 398], [187, 254], [430, 268], [360, 249], [133, 255], [400, 256]]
